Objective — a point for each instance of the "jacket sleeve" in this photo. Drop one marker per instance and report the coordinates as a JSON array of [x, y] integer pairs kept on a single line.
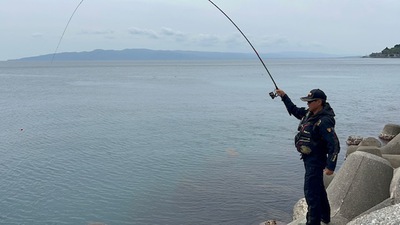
[[328, 133], [293, 109]]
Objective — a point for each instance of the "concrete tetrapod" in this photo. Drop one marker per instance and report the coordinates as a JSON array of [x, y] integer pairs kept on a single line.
[[388, 215], [370, 141], [362, 182], [390, 131], [393, 147], [395, 187]]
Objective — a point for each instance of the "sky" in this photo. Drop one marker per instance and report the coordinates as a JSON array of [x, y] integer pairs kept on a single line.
[[342, 27]]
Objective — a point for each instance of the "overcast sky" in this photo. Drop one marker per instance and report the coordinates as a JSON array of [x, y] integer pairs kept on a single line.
[[350, 27]]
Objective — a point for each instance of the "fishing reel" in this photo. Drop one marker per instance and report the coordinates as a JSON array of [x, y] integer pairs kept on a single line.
[[273, 95]]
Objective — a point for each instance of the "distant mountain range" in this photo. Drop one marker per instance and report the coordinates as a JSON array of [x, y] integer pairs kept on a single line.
[[147, 54]]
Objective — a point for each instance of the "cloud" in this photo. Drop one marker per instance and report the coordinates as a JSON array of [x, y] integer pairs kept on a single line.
[[143, 32], [97, 32], [170, 32], [37, 35], [274, 40], [206, 39], [194, 39], [176, 36]]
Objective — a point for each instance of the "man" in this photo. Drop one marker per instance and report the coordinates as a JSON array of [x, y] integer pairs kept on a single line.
[[319, 147]]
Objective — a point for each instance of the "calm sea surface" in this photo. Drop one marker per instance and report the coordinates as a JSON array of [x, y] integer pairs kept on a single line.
[[171, 142]]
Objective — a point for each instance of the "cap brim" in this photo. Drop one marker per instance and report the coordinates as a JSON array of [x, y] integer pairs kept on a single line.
[[307, 99]]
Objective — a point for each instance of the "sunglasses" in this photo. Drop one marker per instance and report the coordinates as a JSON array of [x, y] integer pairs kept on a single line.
[[308, 102]]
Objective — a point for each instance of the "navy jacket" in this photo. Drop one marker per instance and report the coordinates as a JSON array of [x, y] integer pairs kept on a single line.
[[325, 145]]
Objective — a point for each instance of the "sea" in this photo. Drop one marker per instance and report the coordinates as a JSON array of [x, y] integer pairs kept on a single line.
[[171, 142]]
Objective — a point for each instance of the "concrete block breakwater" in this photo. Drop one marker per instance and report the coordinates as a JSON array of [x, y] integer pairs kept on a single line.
[[366, 189]]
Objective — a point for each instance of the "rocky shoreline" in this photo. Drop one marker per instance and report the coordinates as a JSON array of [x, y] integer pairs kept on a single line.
[[366, 189]]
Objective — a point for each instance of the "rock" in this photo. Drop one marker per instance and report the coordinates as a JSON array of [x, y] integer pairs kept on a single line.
[[366, 142], [300, 209], [272, 222], [393, 147], [393, 159], [384, 204], [354, 140], [387, 215], [395, 186], [299, 221], [351, 149], [328, 179], [335, 221], [370, 141], [370, 149], [366, 190], [362, 182], [338, 220], [389, 131]]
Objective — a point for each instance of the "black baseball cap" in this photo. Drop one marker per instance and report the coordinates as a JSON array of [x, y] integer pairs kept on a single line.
[[314, 95]]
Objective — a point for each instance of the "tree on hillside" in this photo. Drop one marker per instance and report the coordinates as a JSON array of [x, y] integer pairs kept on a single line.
[[394, 50], [388, 53]]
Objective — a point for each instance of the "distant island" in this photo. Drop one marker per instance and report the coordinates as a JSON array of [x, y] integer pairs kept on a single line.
[[148, 54], [135, 54], [387, 53]]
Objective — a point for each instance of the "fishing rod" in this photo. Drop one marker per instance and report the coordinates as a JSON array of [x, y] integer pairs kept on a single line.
[[272, 94], [62, 35]]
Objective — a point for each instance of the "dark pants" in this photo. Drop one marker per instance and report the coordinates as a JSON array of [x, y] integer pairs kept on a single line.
[[315, 194]]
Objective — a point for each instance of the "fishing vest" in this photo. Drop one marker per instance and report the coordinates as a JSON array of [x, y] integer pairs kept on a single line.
[[303, 140]]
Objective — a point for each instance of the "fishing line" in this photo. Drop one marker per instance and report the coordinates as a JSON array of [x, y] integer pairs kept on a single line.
[[248, 41], [59, 42], [273, 95]]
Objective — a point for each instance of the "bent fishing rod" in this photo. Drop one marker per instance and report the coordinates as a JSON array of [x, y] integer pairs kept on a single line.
[[62, 35], [272, 94]]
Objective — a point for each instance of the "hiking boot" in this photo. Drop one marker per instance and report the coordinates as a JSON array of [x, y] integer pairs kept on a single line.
[[325, 221]]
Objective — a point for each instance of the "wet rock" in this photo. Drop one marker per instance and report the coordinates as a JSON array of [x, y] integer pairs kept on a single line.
[[354, 140], [272, 222]]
